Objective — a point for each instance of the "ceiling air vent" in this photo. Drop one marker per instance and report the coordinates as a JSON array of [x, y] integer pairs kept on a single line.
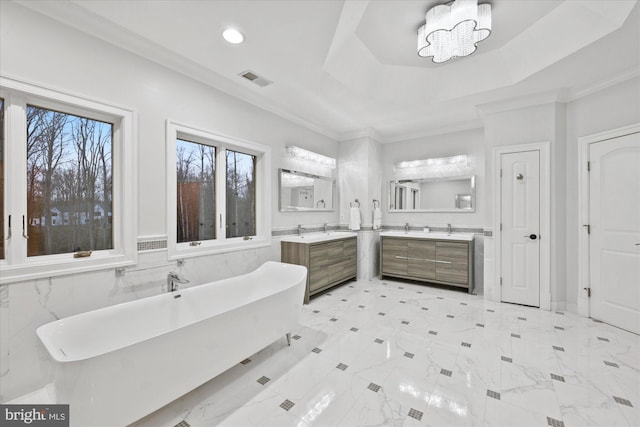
[[254, 78]]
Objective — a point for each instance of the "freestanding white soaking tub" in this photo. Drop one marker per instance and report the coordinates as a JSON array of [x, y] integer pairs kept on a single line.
[[117, 364]]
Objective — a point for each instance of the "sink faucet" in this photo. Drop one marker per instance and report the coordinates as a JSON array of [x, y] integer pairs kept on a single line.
[[326, 227], [174, 280], [406, 228], [300, 228], [448, 228]]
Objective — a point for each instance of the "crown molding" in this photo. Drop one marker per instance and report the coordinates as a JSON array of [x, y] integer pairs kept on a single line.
[[576, 94], [440, 130], [529, 100], [362, 133]]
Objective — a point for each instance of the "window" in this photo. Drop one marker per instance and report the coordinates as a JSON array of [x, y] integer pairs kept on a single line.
[[241, 194], [196, 191], [63, 173], [219, 193], [69, 197]]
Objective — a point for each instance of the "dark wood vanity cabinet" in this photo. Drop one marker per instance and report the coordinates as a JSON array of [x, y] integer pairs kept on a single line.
[[328, 263], [447, 262]]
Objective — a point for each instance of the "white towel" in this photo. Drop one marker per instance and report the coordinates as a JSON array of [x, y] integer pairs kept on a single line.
[[354, 218], [377, 218]]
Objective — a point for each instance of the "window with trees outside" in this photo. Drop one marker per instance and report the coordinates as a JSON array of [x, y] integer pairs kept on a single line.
[[59, 195], [219, 194], [196, 192], [69, 198]]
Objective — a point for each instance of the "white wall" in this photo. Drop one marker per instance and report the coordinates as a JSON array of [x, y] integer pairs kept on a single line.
[[37, 49], [536, 123], [610, 108]]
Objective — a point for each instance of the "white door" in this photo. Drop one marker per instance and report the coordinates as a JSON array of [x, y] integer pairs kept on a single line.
[[614, 240], [520, 222]]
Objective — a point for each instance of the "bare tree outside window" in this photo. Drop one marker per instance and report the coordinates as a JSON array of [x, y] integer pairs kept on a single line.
[[195, 171], [69, 183], [241, 194]]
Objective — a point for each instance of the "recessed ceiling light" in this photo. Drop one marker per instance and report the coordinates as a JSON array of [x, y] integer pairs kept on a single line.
[[233, 36]]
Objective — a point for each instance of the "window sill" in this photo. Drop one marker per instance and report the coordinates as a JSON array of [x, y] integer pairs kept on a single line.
[[62, 265], [212, 248]]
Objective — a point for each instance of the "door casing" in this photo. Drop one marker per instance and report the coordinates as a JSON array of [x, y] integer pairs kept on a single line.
[[545, 215], [583, 206]]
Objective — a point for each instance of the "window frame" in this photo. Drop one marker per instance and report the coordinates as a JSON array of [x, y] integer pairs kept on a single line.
[[17, 266], [221, 244]]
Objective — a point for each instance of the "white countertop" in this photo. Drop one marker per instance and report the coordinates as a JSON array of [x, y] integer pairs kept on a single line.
[[319, 237], [467, 237]]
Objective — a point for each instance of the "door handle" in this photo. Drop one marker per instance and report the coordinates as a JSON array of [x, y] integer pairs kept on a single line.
[[532, 236]]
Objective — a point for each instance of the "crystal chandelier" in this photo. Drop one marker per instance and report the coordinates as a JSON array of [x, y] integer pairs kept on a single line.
[[453, 30]]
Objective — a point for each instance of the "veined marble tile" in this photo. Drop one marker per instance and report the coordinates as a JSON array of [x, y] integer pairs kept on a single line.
[[392, 353], [502, 414], [327, 401], [588, 405], [456, 401]]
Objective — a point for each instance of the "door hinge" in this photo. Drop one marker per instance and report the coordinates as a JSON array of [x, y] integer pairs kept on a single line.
[[588, 166], [501, 281], [500, 173], [588, 226], [500, 226], [588, 292]]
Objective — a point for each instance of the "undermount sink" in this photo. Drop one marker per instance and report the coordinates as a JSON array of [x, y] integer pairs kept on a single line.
[[319, 237], [467, 237]]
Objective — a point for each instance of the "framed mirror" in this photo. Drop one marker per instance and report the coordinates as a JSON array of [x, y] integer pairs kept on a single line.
[[301, 191], [448, 194]]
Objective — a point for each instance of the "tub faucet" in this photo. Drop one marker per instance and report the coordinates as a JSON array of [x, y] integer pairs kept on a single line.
[[406, 228], [448, 228], [174, 280]]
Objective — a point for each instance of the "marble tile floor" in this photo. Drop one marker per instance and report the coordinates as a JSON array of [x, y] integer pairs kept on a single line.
[[391, 353]]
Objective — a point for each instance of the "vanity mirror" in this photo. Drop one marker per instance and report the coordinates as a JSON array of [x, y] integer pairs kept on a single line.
[[448, 194], [301, 191]]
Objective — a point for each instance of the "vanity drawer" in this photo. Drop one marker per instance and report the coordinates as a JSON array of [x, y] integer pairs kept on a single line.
[[394, 256], [421, 259], [329, 263], [453, 262], [443, 261]]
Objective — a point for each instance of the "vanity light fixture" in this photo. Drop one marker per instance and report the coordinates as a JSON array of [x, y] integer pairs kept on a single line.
[[310, 156], [459, 161], [454, 30], [233, 36]]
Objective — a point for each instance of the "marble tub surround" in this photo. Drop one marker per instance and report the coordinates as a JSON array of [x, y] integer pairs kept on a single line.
[[399, 354], [24, 363]]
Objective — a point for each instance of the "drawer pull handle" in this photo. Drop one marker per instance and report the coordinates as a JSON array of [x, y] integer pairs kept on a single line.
[[423, 259]]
